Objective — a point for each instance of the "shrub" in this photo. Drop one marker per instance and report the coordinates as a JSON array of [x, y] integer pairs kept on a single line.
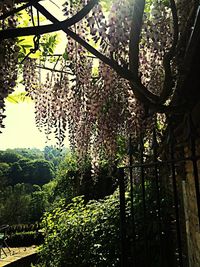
[[88, 234], [82, 234]]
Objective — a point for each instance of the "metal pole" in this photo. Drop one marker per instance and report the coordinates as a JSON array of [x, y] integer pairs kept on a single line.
[[143, 199], [123, 256], [155, 159], [176, 201], [132, 206]]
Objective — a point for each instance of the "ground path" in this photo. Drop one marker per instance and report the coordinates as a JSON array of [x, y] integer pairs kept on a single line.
[[16, 254]]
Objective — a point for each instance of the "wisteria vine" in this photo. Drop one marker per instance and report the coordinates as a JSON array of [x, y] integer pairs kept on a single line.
[[8, 60], [88, 97]]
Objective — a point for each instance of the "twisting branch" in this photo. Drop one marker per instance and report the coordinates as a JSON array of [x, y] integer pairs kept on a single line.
[[168, 82], [36, 41], [16, 10], [136, 26], [27, 31], [54, 3], [53, 70], [141, 91], [143, 94], [58, 25]]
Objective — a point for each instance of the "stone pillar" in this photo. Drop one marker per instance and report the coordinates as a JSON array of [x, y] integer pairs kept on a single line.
[[191, 214]]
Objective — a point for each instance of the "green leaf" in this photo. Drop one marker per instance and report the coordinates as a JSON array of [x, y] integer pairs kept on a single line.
[[16, 98], [65, 56], [27, 46]]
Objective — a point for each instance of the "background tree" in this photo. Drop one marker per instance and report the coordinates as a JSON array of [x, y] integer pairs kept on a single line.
[[9, 157], [38, 203], [23, 172], [15, 204], [28, 153], [4, 170], [53, 154]]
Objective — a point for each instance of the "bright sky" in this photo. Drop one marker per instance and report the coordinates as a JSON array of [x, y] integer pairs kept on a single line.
[[20, 129]]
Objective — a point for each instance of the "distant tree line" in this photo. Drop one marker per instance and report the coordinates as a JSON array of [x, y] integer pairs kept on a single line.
[[31, 166], [34, 181], [24, 178]]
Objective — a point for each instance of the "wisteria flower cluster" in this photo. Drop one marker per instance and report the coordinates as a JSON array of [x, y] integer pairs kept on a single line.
[[8, 60], [93, 101], [90, 99]]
